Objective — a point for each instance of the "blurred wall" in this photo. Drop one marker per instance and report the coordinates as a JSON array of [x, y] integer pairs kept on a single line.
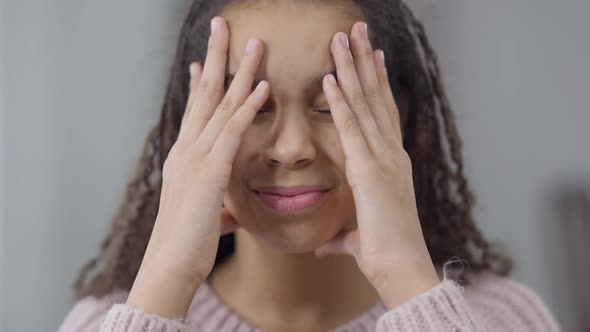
[[517, 74], [2, 162], [84, 81]]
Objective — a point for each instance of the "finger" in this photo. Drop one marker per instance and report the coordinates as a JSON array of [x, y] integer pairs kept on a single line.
[[349, 83], [386, 92], [195, 70], [226, 146], [240, 88], [347, 243], [228, 223], [353, 141], [334, 247], [211, 85], [362, 52]]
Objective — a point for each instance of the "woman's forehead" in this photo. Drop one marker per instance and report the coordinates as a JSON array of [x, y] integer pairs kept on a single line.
[[296, 40]]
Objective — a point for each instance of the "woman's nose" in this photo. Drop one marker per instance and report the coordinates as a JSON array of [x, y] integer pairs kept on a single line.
[[291, 144]]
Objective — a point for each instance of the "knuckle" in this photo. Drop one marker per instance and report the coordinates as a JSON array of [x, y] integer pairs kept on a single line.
[[366, 50], [174, 151], [177, 160], [232, 129], [359, 101], [194, 85], [222, 171], [351, 125], [249, 104], [339, 100], [216, 46], [248, 64], [399, 162], [205, 84], [200, 117], [372, 169], [405, 161], [210, 88], [364, 170], [226, 103], [348, 60], [373, 93], [170, 166]]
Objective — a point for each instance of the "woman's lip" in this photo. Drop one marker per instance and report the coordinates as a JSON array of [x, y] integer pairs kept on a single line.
[[291, 191], [296, 203]]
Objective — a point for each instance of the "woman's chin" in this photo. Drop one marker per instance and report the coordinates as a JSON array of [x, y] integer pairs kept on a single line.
[[297, 239]]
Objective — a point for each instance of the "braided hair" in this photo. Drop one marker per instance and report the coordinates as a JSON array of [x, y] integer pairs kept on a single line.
[[444, 199]]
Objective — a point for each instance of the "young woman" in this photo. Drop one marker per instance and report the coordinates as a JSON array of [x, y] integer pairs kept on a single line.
[[307, 177]]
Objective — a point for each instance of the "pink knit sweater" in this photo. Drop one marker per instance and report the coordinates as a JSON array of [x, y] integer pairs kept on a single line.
[[488, 303]]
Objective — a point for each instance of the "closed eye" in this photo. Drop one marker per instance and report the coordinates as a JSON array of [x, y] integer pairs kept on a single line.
[[268, 110], [327, 111]]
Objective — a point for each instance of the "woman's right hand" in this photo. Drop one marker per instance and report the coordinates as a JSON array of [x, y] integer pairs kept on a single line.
[[183, 245]]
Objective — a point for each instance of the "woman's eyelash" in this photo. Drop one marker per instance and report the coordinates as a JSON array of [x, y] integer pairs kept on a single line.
[[325, 111]]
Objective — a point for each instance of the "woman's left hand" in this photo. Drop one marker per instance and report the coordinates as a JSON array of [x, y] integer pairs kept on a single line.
[[388, 244]]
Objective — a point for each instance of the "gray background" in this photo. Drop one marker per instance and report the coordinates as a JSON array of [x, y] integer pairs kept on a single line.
[[81, 82]]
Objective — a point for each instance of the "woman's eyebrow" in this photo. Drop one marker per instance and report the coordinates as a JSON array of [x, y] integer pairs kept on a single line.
[[318, 79], [314, 81]]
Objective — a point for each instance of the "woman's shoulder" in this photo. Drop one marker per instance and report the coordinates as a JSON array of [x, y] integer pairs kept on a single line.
[[505, 301], [111, 313], [88, 313], [492, 287]]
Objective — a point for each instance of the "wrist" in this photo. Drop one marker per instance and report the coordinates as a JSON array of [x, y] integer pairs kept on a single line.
[[402, 285], [163, 295]]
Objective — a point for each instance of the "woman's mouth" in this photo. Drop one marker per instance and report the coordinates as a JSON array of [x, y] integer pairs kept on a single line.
[[292, 199]]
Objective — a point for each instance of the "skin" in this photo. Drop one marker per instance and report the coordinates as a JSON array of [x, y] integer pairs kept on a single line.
[[291, 144], [364, 242]]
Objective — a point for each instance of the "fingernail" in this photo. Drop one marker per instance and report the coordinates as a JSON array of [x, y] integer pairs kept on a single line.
[[365, 31], [214, 25], [260, 85], [193, 69], [344, 40], [251, 45], [382, 56], [331, 79]]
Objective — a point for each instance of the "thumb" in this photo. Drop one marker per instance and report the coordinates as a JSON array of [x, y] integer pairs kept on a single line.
[[228, 223]]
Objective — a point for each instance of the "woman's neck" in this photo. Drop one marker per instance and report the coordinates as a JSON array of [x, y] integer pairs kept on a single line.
[[267, 287]]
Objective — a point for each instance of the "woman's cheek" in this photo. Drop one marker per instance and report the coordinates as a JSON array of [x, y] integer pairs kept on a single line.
[[330, 145]]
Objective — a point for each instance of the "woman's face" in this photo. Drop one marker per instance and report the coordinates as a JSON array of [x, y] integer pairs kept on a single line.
[[291, 142]]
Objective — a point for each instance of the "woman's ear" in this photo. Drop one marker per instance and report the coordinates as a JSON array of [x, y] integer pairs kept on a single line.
[[228, 223]]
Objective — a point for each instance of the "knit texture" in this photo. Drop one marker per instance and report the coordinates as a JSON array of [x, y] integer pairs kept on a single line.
[[488, 303]]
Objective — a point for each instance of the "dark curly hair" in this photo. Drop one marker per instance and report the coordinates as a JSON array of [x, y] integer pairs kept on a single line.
[[444, 199]]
